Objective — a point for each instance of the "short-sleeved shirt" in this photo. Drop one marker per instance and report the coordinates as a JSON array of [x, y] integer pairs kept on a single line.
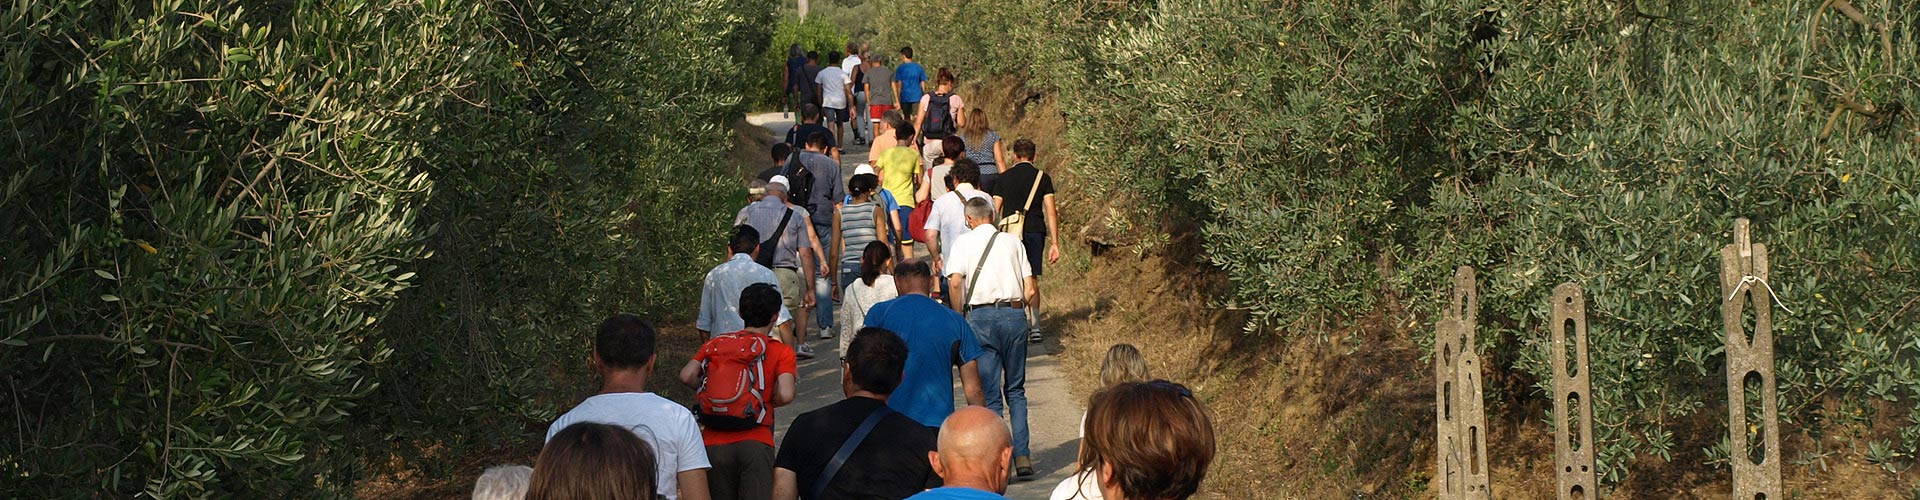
[[1003, 272], [1012, 188], [832, 83], [828, 187], [780, 361], [911, 76], [664, 424], [898, 167], [949, 216], [810, 73], [937, 340], [890, 463], [764, 216], [955, 106], [798, 135], [956, 494], [797, 75], [720, 294], [981, 151], [879, 85], [852, 67]]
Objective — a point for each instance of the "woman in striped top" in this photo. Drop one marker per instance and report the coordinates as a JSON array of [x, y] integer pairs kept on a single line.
[[857, 223]]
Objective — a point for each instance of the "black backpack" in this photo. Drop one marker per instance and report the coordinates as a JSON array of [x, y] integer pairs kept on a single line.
[[939, 116], [799, 182]]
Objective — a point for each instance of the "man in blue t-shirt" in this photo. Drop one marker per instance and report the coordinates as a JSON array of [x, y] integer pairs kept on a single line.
[[907, 81], [937, 338]]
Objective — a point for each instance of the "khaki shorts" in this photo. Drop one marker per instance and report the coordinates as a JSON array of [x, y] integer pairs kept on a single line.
[[790, 291]]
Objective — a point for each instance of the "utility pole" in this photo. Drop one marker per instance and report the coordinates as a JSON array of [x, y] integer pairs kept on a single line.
[[802, 6]]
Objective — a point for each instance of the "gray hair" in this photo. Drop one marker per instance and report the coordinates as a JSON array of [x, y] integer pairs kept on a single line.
[[980, 208], [503, 482]]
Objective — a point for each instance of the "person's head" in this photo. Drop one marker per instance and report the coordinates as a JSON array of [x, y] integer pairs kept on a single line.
[[745, 239], [873, 60], [953, 147], [780, 153], [906, 54], [977, 127], [861, 186], [979, 212], [1122, 364], [756, 189], [875, 260], [944, 80], [1147, 440], [759, 305], [865, 47], [975, 450], [1023, 149], [624, 343], [593, 461], [876, 361], [965, 171], [796, 51], [902, 129], [778, 187], [813, 56], [913, 277], [833, 56], [809, 112], [503, 482], [853, 47], [817, 141]]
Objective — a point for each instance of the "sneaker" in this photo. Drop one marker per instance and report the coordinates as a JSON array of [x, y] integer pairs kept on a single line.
[[1023, 467], [803, 352], [1033, 335], [826, 334]]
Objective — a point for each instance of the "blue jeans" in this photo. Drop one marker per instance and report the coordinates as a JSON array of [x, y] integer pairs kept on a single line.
[[1003, 366], [822, 295]]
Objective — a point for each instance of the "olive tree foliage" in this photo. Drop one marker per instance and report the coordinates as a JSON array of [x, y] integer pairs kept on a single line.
[[208, 208], [1339, 154], [224, 275]]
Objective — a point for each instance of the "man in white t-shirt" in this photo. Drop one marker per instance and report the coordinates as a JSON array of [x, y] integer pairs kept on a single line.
[[623, 355], [836, 95], [853, 66], [993, 284], [948, 219]]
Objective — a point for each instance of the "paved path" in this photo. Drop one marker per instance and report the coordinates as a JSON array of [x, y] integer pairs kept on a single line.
[[1053, 411]]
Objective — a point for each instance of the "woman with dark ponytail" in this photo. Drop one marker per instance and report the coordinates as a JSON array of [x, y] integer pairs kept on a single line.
[[874, 286]]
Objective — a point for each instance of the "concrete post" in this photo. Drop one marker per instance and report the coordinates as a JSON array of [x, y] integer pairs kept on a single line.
[[1460, 425], [1573, 401], [1743, 278]]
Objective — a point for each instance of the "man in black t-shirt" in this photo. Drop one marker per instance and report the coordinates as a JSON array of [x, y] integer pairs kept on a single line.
[[810, 123], [889, 463], [1041, 231]]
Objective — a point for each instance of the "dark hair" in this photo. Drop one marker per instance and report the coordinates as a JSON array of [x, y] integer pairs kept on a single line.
[[877, 359], [624, 341], [862, 184], [759, 305], [781, 151], [944, 77], [906, 52], [871, 259], [813, 55], [795, 51], [1023, 149], [902, 130], [809, 112], [965, 171], [913, 268], [833, 56], [953, 146], [1154, 435], [745, 239], [597, 461], [817, 139]]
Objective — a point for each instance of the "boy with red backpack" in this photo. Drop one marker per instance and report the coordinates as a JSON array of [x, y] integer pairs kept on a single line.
[[739, 378]]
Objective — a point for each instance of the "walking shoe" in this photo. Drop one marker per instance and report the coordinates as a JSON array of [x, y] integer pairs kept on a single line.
[[803, 352], [1033, 335], [826, 334], [1022, 466]]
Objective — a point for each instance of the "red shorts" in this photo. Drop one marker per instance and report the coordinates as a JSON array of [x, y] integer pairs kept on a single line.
[[880, 110]]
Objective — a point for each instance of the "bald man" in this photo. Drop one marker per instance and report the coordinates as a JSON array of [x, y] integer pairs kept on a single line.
[[975, 451]]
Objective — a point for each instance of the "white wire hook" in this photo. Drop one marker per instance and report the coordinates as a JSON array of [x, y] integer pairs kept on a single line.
[[1744, 280]]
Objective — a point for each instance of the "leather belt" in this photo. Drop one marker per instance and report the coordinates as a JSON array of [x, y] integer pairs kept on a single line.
[[1010, 304]]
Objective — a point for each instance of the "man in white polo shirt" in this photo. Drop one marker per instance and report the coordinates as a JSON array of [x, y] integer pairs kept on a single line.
[[989, 274]]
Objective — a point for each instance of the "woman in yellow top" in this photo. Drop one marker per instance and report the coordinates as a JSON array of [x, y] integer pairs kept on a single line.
[[900, 172]]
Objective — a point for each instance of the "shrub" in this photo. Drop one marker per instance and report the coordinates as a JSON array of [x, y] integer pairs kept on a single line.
[[812, 33]]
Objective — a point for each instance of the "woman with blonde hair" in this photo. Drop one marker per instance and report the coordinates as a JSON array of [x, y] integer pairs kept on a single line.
[[983, 146], [1122, 364]]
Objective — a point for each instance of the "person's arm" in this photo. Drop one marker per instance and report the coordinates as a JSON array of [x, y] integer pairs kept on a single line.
[[839, 251], [1053, 231], [806, 271], [1031, 290], [999, 160], [920, 120], [933, 244], [690, 374], [896, 91], [786, 484], [970, 383], [783, 390], [693, 485], [818, 255], [957, 283]]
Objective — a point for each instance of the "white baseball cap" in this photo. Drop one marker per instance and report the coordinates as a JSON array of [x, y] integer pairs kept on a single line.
[[781, 180], [862, 169]]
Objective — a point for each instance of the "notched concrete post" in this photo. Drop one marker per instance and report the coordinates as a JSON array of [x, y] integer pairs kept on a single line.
[[1460, 414], [1743, 278], [1573, 403]]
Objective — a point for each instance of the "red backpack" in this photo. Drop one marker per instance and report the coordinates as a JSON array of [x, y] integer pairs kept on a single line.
[[733, 395]]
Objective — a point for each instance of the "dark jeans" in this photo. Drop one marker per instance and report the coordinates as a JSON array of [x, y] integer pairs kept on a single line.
[[1003, 366], [741, 471]]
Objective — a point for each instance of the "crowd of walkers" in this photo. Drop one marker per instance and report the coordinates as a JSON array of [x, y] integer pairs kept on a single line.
[[924, 262]]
